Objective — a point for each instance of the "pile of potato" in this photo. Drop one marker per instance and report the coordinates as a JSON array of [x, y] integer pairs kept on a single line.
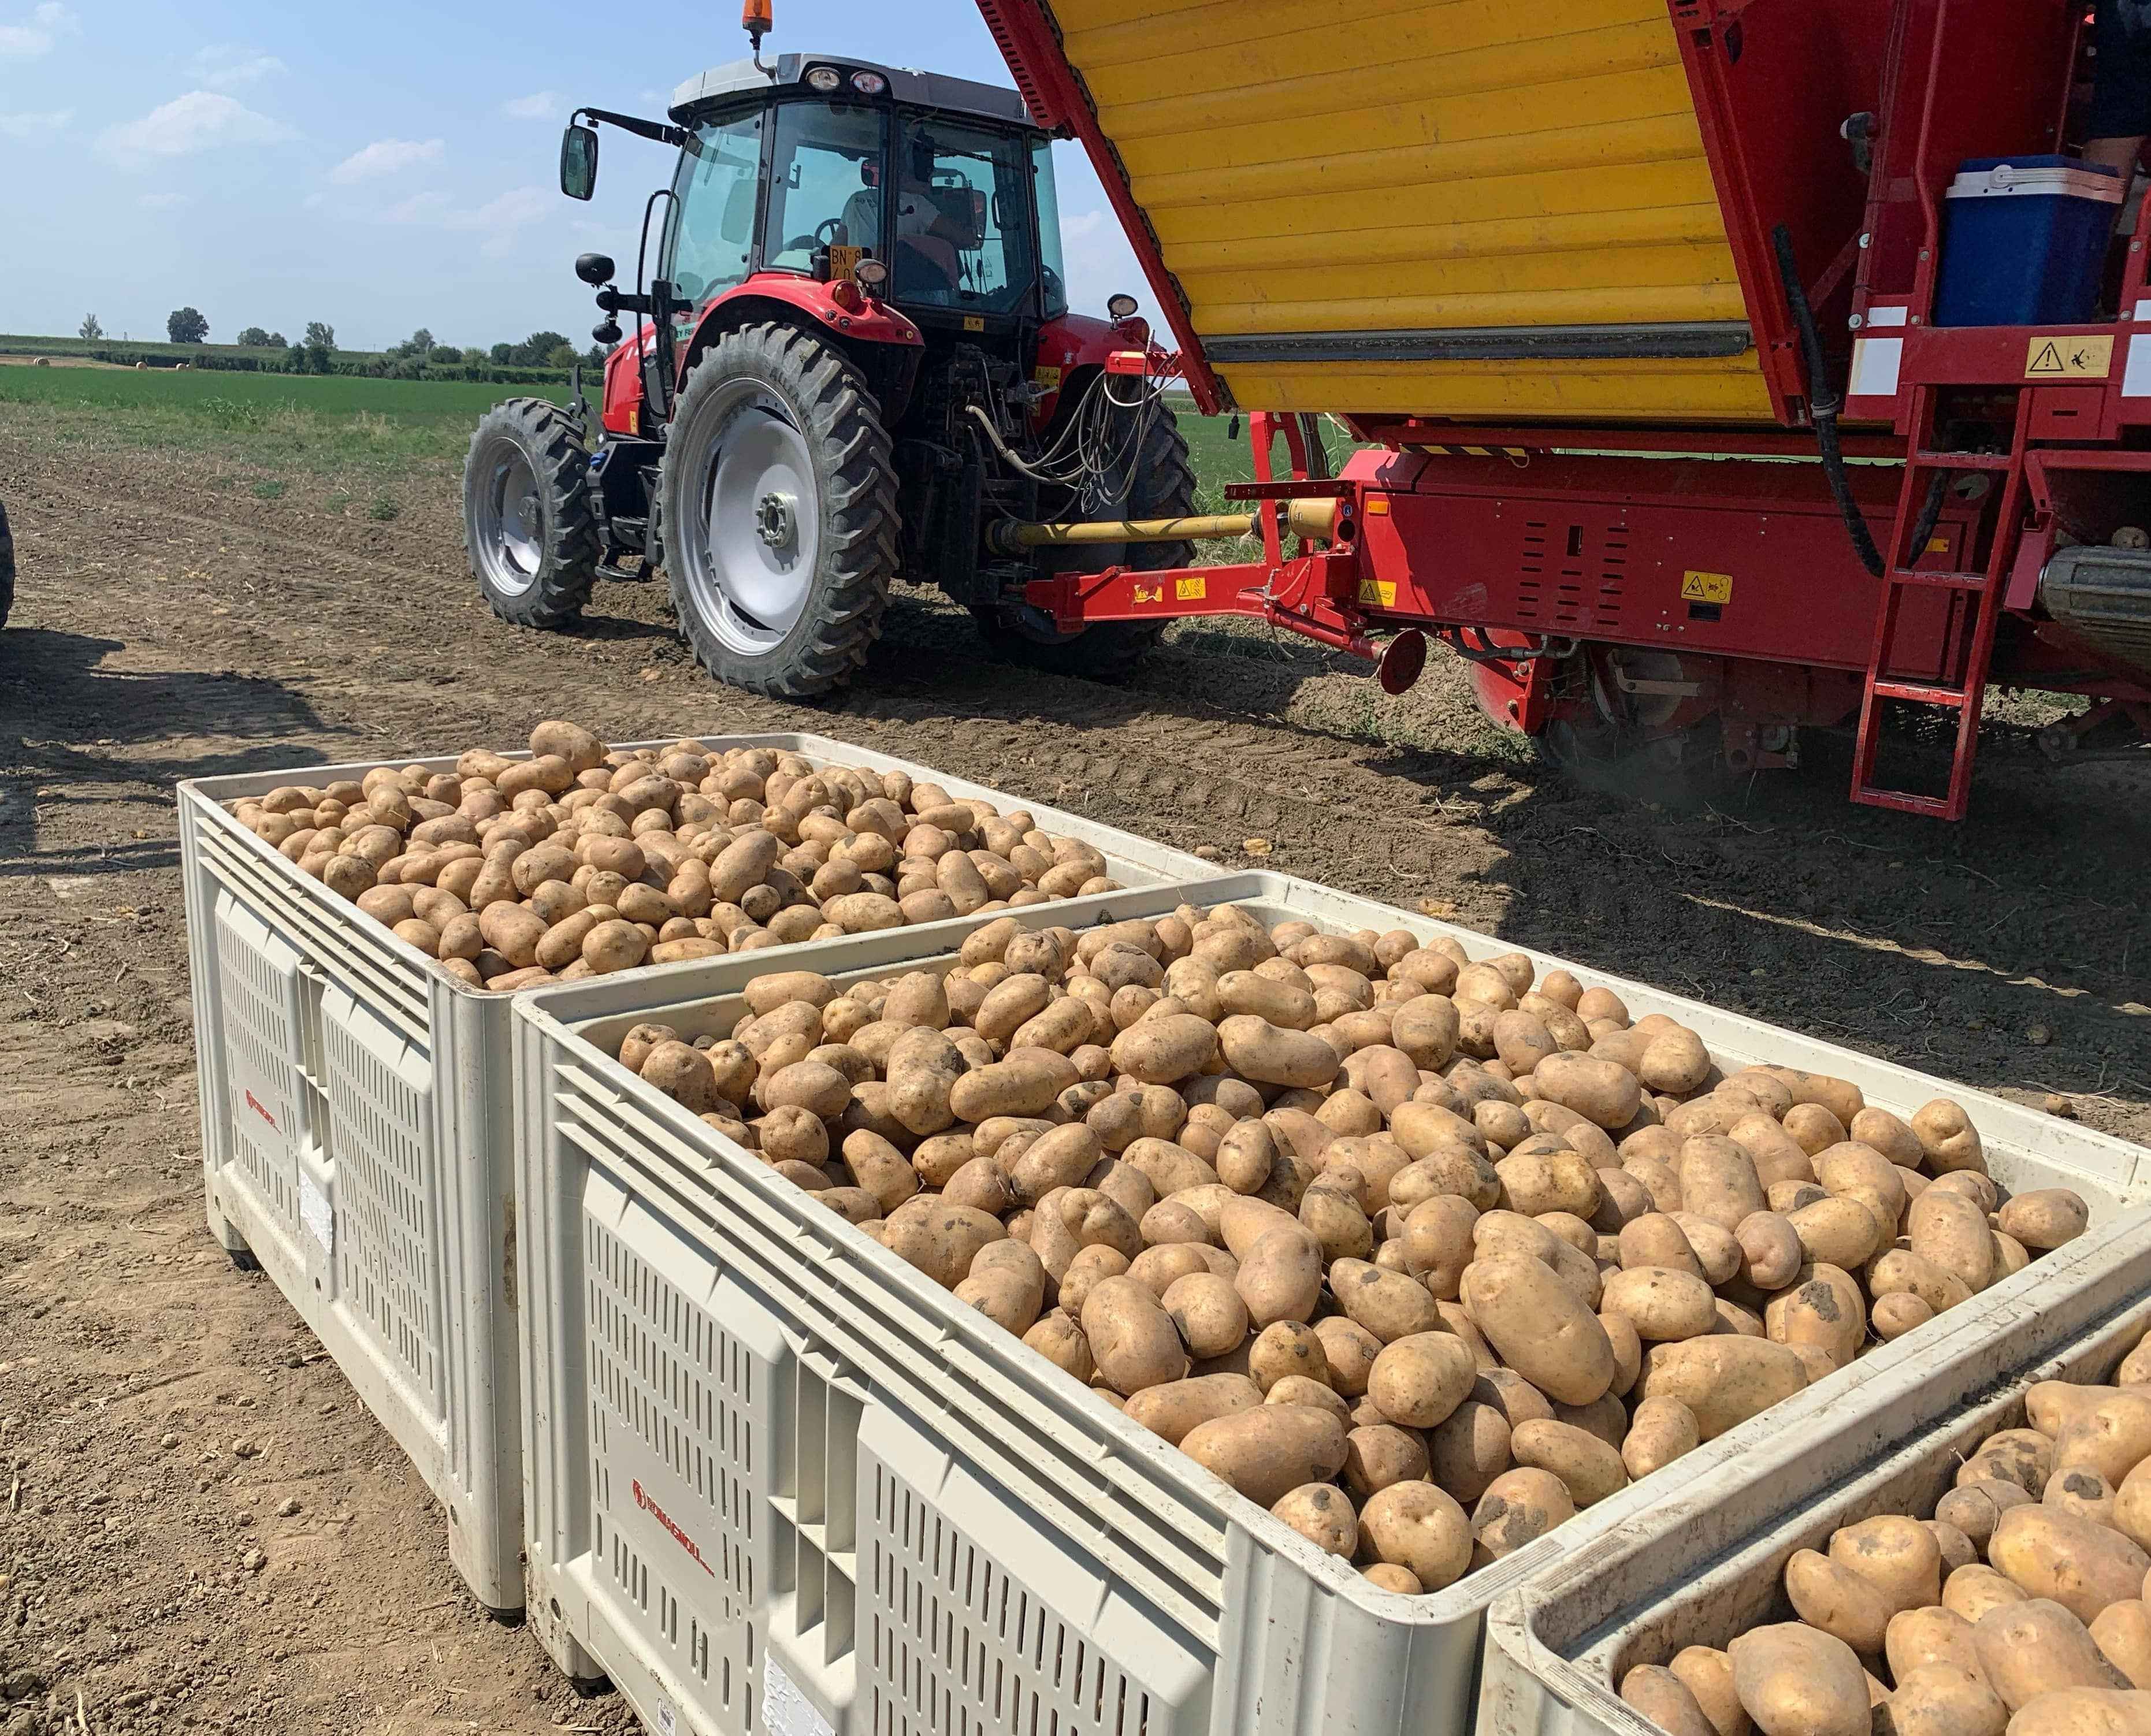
[[1419, 1253], [513, 873], [2019, 1606]]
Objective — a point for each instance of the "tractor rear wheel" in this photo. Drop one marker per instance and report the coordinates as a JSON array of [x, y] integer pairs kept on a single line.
[[7, 567], [528, 527], [778, 505], [1159, 484]]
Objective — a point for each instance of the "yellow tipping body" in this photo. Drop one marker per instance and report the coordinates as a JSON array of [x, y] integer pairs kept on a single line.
[[1382, 173]]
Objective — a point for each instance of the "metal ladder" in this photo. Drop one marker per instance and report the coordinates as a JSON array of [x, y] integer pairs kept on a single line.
[[1982, 591]]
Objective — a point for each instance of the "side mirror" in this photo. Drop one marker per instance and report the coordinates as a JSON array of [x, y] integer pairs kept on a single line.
[[595, 268], [579, 161]]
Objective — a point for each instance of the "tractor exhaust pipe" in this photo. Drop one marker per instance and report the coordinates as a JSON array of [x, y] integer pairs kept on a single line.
[[1302, 518]]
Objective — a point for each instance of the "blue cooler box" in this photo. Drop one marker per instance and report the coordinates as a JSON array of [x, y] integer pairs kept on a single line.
[[2024, 241]]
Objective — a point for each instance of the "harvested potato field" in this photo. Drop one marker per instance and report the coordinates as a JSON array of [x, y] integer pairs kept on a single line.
[[202, 1528]]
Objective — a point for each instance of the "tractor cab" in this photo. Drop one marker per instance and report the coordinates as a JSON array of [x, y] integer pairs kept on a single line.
[[852, 360], [930, 190]]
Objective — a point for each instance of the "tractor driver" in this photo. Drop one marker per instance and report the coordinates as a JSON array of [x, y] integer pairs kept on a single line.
[[2121, 86], [927, 238]]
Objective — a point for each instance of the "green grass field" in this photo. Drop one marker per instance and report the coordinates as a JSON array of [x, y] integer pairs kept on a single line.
[[278, 423]]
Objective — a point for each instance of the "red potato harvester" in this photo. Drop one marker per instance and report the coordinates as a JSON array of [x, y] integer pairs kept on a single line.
[[1727, 366]]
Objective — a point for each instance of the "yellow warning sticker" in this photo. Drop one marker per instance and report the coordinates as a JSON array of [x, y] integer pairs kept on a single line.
[[1378, 593], [1191, 590], [1706, 587], [1149, 593], [972, 322], [2069, 358], [1049, 377]]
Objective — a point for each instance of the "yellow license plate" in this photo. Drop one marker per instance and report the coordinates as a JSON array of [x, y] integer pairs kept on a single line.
[[844, 261]]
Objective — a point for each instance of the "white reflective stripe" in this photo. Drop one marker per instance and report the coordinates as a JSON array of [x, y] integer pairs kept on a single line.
[[1888, 316], [2143, 311], [1875, 364], [2136, 375]]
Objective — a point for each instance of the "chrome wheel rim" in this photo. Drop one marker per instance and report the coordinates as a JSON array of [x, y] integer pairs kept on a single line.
[[751, 527], [509, 535]]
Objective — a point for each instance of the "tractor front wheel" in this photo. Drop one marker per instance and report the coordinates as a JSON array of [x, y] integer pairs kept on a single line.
[[527, 528], [778, 507], [1158, 484]]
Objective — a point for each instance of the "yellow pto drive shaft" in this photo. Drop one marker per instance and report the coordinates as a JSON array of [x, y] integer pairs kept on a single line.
[[1302, 518]]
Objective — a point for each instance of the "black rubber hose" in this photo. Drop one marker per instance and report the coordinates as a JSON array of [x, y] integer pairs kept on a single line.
[[1823, 404], [1931, 513]]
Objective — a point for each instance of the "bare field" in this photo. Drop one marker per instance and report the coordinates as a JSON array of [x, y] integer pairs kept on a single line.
[[200, 1529]]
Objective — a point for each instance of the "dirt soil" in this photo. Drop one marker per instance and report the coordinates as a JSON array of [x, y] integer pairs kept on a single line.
[[200, 1527]]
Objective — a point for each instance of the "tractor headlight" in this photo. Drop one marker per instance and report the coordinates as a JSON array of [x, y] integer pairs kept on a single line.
[[871, 272], [824, 78], [1121, 307], [869, 84]]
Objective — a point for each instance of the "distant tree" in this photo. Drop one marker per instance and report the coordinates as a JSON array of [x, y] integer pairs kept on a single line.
[[419, 345], [442, 354], [296, 359], [185, 325], [561, 356], [534, 350], [594, 356], [320, 336], [90, 330], [502, 354], [321, 359], [276, 340], [473, 358], [257, 337]]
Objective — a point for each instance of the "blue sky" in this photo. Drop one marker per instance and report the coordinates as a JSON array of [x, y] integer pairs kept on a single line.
[[384, 167]]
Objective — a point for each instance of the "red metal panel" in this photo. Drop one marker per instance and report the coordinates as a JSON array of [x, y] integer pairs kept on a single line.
[[1772, 80], [1030, 41], [1601, 549]]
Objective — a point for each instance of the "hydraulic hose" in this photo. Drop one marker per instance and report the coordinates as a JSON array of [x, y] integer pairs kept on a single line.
[[1823, 404]]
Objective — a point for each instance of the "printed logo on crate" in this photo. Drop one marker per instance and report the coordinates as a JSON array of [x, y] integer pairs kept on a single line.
[[255, 1104], [642, 1499]]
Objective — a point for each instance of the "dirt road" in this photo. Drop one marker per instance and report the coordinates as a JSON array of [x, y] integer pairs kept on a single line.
[[200, 1529]]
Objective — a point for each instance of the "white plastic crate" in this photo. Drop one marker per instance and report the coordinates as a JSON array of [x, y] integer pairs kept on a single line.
[[1709, 1562], [356, 1141], [779, 1481]]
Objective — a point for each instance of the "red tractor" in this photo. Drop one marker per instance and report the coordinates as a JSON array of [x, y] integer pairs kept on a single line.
[[853, 361]]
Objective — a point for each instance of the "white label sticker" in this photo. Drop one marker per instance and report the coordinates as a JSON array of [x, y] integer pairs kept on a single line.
[[314, 1210], [2136, 372], [668, 1719], [1875, 362], [785, 1710]]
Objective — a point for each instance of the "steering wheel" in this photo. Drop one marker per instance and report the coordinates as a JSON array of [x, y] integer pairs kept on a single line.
[[831, 225]]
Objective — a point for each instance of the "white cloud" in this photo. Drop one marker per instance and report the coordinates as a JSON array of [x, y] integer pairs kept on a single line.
[[498, 222], [226, 66], [541, 106], [34, 125], [385, 156], [200, 120], [48, 23], [165, 201]]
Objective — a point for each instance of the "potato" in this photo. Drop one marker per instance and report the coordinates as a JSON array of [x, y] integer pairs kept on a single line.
[[1419, 1380], [1950, 1231], [2111, 1435], [1946, 1699], [1171, 1410], [1823, 1308], [2034, 1647], [1060, 1340], [1378, 1454], [1918, 1638], [1269, 1451], [1899, 1556], [1322, 1514], [1798, 1681], [1972, 1590], [1132, 1340], [1947, 1139], [1419, 1527], [1163, 1051], [1892, 1316], [1660, 1303], [1708, 1674], [1664, 1698], [1723, 1380], [1209, 1313], [1469, 1449], [2122, 1631], [1270, 1054], [1519, 1507], [2082, 1493], [1587, 1467], [1599, 1091], [2085, 1712], [1389, 1305], [1829, 1595], [941, 1240], [1975, 1508], [1280, 1278], [1718, 1182], [1540, 1328], [1660, 1432], [2074, 1562]]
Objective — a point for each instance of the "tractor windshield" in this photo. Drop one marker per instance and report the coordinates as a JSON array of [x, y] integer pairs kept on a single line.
[[825, 183], [709, 237], [964, 236]]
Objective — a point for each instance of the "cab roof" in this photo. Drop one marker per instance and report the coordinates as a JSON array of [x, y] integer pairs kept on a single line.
[[932, 90]]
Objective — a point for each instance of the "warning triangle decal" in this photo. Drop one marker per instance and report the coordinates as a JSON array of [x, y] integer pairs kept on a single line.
[[2049, 361]]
